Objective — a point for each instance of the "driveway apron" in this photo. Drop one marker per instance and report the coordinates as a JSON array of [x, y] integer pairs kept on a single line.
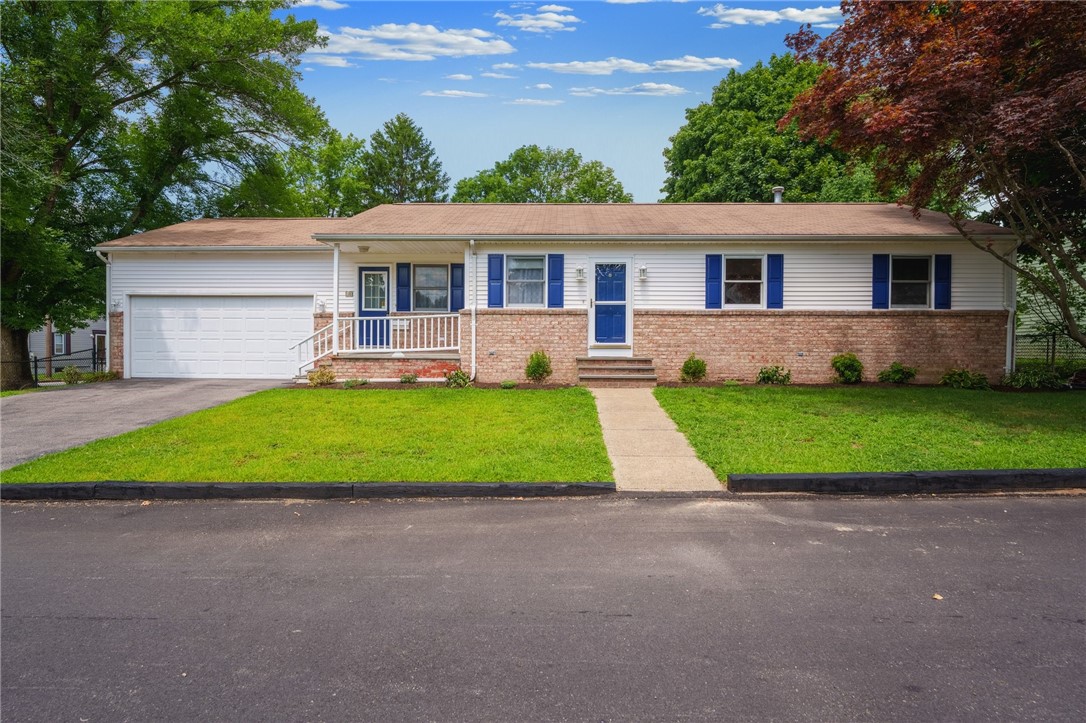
[[648, 452], [50, 421]]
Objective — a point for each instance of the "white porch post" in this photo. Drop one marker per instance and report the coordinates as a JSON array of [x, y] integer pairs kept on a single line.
[[335, 298]]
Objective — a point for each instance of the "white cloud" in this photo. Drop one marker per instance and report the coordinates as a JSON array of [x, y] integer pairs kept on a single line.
[[453, 94], [505, 66], [540, 86], [458, 76], [541, 21], [332, 61], [658, 89], [687, 63], [500, 76], [533, 101], [413, 42], [322, 4], [554, 9], [726, 17]]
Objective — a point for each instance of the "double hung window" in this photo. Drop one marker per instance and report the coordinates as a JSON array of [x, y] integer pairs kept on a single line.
[[431, 286], [910, 282], [742, 281], [525, 280]]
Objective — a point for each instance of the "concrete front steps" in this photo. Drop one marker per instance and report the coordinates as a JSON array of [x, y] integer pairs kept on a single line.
[[616, 372]]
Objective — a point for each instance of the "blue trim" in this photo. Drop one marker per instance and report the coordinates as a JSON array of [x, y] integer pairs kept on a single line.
[[556, 265], [456, 287], [880, 281], [495, 272], [374, 333], [714, 287], [774, 291], [403, 287], [942, 281]]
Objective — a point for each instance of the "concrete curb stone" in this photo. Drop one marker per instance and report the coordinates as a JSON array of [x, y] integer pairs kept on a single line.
[[874, 483]]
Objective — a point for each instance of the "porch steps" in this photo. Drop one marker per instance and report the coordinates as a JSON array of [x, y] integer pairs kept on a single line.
[[616, 372]]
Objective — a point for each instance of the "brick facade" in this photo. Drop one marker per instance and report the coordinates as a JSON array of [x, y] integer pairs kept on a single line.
[[385, 368], [506, 337], [736, 344], [116, 342]]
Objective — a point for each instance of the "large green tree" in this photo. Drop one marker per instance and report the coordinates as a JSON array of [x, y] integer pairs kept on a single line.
[[730, 148], [543, 175], [401, 166], [113, 112], [964, 99]]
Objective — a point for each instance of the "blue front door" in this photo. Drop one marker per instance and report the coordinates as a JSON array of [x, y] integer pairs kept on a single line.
[[373, 326], [610, 303]]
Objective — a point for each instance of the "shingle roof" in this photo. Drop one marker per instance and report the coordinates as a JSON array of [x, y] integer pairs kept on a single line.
[[486, 220]]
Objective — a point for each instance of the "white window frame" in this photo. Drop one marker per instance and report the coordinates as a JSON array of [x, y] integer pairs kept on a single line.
[[930, 282], [724, 281], [448, 287], [506, 281], [57, 336], [362, 304]]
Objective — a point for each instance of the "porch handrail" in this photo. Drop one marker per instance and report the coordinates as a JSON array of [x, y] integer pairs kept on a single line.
[[316, 346], [415, 333]]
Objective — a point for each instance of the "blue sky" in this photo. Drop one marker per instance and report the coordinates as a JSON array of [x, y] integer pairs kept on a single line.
[[609, 79]]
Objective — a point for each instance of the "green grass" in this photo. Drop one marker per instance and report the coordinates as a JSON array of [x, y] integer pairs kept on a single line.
[[16, 392], [320, 435], [877, 429]]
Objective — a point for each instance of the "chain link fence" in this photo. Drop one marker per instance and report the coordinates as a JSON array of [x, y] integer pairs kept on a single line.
[[46, 369], [1049, 348]]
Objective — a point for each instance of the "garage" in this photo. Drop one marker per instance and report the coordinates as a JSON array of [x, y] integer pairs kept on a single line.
[[227, 337]]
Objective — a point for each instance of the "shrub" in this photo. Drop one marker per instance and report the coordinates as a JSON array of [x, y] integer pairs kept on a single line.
[[774, 375], [964, 379], [1065, 368], [539, 366], [408, 378], [321, 377], [508, 384], [850, 370], [693, 369], [71, 375], [457, 379], [353, 383], [897, 373], [100, 376], [1037, 378]]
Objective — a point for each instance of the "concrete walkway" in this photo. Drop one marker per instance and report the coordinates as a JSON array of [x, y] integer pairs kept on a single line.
[[647, 450]]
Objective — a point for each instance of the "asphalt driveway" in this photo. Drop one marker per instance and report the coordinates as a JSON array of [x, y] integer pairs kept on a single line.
[[49, 421]]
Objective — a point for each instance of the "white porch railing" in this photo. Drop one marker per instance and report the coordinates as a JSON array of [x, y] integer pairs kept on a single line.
[[386, 334]]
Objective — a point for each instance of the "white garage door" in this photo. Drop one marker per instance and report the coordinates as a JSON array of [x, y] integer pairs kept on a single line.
[[230, 337]]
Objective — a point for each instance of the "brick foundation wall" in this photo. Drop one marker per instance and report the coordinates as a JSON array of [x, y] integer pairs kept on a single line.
[[391, 368], [116, 342], [736, 344], [506, 337]]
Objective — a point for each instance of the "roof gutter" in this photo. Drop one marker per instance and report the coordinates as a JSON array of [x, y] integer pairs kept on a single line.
[[642, 238], [176, 249]]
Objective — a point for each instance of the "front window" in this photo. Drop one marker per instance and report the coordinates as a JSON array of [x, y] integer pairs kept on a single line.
[[431, 285], [742, 282], [58, 343], [525, 280], [910, 282], [374, 291]]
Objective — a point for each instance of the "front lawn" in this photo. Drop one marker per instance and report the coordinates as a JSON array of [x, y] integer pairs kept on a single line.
[[877, 429], [321, 435]]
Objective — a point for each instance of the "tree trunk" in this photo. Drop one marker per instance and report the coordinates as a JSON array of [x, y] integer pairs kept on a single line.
[[15, 358]]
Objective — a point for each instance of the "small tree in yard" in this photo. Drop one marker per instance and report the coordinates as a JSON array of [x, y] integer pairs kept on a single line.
[[538, 367], [963, 102]]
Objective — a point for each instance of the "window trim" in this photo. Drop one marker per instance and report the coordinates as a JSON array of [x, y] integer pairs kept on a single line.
[[63, 339], [506, 282], [930, 283], [448, 287], [362, 290], [724, 304]]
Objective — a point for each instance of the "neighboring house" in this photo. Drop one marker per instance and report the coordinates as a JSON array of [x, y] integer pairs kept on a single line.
[[84, 348], [425, 288]]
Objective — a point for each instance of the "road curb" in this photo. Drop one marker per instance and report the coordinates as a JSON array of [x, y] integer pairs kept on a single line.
[[896, 483], [293, 490]]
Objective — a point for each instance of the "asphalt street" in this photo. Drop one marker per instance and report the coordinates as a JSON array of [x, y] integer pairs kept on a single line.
[[555, 610]]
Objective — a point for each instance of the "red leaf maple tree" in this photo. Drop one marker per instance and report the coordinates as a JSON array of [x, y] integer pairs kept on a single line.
[[963, 102]]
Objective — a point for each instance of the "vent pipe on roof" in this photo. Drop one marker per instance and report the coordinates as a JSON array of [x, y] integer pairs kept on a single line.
[[778, 194]]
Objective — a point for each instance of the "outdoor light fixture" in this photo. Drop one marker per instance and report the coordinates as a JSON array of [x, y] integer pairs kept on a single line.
[[580, 273], [643, 273], [320, 305], [116, 305]]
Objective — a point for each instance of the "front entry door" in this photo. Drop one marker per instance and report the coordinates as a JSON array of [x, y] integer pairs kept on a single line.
[[610, 303], [373, 328]]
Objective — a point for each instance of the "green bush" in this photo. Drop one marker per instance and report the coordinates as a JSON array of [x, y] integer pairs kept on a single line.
[[964, 379], [539, 366], [1065, 368], [1037, 378], [897, 373], [408, 378], [100, 376], [321, 377], [71, 375], [850, 370], [693, 369], [508, 384], [457, 379], [353, 383], [774, 375]]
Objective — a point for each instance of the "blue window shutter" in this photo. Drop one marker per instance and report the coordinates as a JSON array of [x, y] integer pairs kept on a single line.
[[456, 287], [774, 292], [495, 273], [714, 274], [942, 281], [556, 265], [403, 287], [880, 281]]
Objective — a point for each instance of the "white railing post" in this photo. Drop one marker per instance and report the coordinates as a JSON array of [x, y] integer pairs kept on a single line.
[[335, 298]]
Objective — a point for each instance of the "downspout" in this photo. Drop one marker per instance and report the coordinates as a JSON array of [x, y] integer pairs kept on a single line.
[[335, 298], [474, 301], [109, 305]]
